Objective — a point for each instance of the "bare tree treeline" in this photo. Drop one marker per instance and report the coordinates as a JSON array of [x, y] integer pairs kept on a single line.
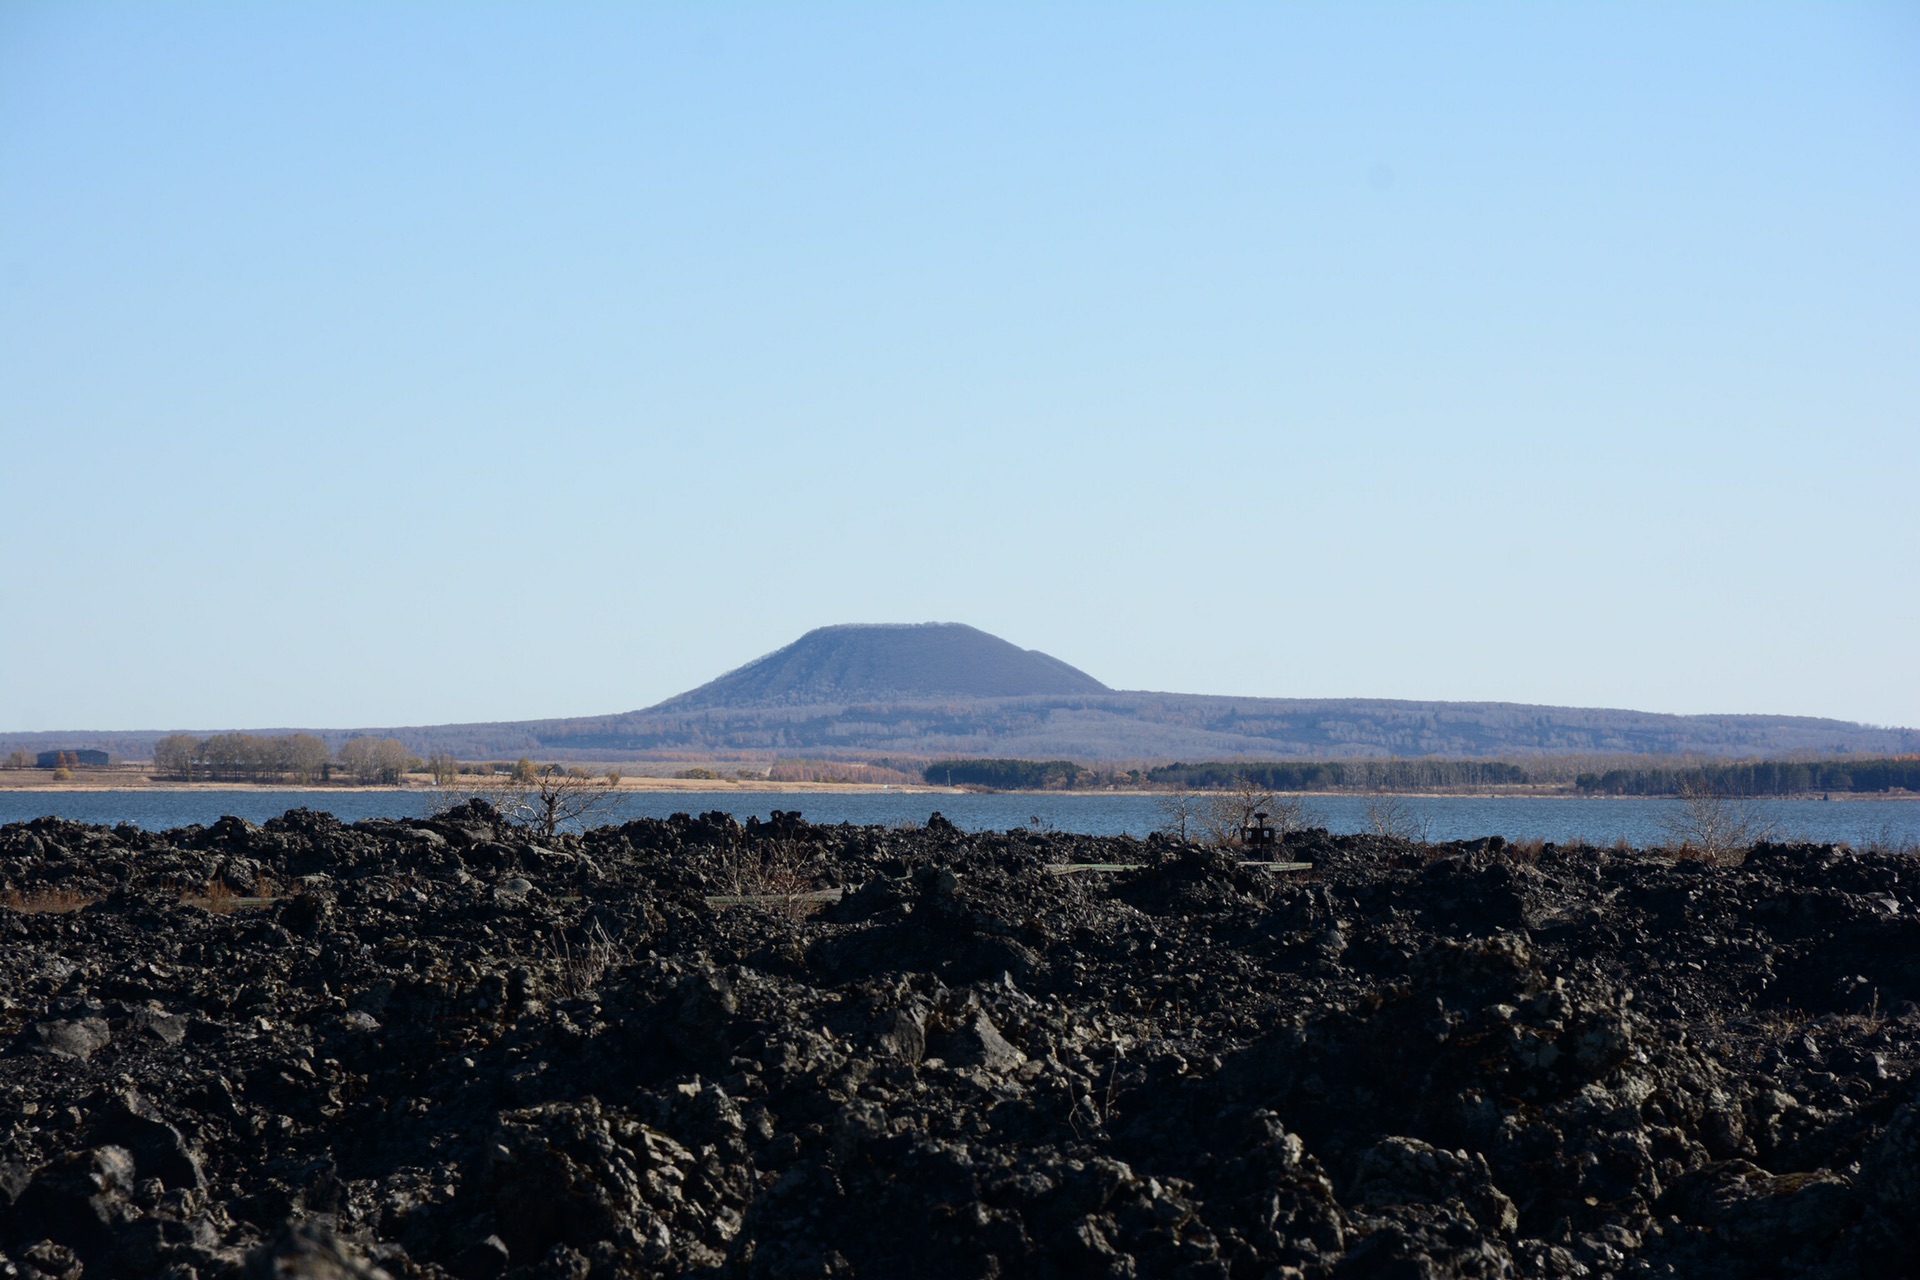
[[805, 770], [372, 760], [293, 757], [242, 757], [304, 758]]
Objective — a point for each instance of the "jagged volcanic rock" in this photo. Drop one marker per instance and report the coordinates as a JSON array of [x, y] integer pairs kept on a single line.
[[439, 1048]]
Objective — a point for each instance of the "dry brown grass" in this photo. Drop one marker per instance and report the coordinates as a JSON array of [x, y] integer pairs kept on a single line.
[[46, 902], [1708, 857], [1782, 1022], [216, 897], [1527, 851], [1868, 1021], [219, 899]]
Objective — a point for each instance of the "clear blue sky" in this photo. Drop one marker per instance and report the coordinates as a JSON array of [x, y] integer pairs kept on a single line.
[[380, 364]]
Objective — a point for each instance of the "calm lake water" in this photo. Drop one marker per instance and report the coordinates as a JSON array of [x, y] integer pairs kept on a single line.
[[1596, 821]]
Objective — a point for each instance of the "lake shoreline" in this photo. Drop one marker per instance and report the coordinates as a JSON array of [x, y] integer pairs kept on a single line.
[[759, 786]]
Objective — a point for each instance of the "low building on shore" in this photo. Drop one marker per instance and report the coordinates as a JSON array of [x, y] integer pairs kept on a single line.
[[82, 758]]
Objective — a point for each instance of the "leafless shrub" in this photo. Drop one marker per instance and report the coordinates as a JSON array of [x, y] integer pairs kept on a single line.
[[1230, 812], [582, 968], [1223, 816], [781, 871], [1713, 825], [1393, 818], [1888, 840], [1291, 814]]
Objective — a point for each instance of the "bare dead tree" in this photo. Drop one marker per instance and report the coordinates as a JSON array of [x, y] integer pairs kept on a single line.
[[548, 800], [1179, 811], [558, 798], [1290, 814], [1394, 818]]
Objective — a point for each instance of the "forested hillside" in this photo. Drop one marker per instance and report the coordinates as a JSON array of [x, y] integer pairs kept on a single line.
[[1164, 726], [1092, 728]]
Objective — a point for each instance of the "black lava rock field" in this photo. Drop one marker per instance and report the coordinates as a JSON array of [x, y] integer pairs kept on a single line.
[[444, 1048]]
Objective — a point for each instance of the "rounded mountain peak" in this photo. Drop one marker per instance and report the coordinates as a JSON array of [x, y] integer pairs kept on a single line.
[[871, 662]]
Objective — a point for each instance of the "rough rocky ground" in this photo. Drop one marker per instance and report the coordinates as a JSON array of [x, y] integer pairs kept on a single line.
[[436, 1048]]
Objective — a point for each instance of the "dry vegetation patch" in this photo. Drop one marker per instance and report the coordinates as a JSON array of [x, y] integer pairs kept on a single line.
[[219, 898], [46, 902], [782, 874]]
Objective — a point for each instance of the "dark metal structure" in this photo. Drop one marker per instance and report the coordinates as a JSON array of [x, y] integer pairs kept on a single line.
[[1258, 835]]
